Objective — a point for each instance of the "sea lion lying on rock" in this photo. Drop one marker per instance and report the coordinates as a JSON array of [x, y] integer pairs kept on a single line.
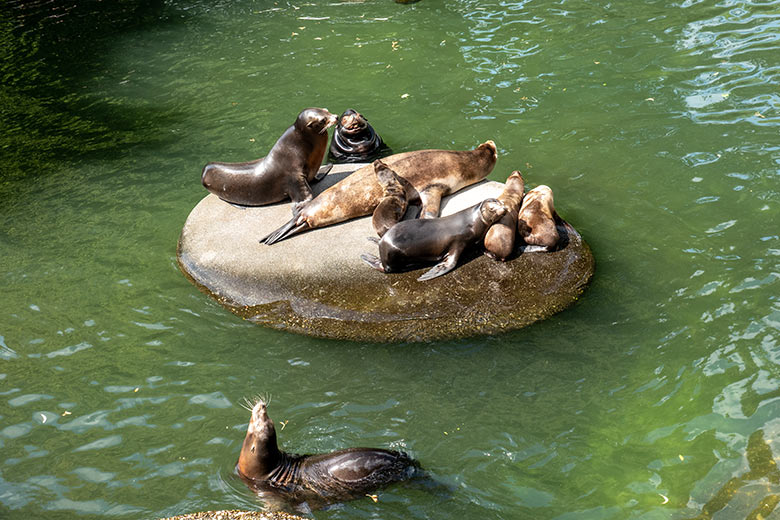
[[429, 175], [293, 162], [393, 205], [500, 238], [536, 219], [355, 140], [413, 242], [315, 479]]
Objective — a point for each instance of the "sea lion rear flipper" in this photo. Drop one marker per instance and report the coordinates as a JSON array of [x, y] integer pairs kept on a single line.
[[443, 267], [286, 231], [430, 197], [373, 262], [323, 171]]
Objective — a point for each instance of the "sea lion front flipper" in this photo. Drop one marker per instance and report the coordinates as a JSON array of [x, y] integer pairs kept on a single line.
[[323, 171], [443, 267], [373, 262], [430, 197]]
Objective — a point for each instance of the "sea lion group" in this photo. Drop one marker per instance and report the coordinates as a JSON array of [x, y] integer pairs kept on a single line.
[[384, 189]]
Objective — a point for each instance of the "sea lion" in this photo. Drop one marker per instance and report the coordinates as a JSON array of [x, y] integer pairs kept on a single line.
[[293, 162], [429, 175], [413, 242], [500, 238], [393, 205], [536, 219], [354, 140], [315, 479]]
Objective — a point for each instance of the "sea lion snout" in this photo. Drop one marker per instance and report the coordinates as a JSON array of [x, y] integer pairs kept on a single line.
[[260, 418]]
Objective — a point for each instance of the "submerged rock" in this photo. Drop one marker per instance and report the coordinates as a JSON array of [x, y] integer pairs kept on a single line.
[[236, 515], [315, 283]]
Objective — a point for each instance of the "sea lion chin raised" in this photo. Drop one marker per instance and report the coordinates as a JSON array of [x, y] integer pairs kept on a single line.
[[293, 162], [393, 205], [317, 480], [414, 242], [355, 140], [500, 238], [428, 176]]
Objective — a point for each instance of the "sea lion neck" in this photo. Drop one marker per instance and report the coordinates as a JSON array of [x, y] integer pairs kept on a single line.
[[260, 453]]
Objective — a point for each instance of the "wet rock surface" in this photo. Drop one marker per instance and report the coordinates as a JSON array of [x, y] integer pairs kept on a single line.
[[315, 283], [236, 515]]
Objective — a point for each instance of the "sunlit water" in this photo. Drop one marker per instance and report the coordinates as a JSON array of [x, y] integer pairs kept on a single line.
[[655, 123]]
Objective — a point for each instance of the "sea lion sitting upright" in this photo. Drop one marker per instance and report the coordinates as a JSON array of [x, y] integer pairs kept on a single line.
[[414, 242], [500, 238], [429, 175], [315, 479], [393, 205], [354, 140], [536, 219], [293, 162]]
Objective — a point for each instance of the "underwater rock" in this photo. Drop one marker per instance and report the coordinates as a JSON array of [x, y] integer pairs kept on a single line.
[[316, 284], [236, 515]]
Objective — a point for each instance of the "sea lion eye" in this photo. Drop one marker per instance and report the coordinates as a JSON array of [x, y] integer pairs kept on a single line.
[[252, 449]]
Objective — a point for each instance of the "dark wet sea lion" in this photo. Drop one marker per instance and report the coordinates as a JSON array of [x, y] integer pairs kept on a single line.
[[315, 479], [293, 162], [413, 242], [500, 238], [429, 175], [393, 205], [536, 219], [355, 140]]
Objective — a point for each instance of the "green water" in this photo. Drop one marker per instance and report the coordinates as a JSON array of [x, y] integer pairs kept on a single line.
[[655, 123]]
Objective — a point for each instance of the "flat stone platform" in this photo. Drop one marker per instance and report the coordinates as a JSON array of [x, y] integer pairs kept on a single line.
[[316, 284]]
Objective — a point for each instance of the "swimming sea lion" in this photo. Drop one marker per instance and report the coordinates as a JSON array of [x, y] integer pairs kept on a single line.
[[500, 238], [293, 162], [429, 175], [393, 205], [536, 219], [354, 140], [315, 479], [413, 242]]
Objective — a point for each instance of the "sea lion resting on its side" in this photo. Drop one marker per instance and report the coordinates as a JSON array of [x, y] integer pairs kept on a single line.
[[293, 162], [414, 242], [536, 219], [428, 176], [317, 480]]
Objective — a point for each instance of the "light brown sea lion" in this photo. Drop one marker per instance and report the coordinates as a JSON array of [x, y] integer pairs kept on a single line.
[[393, 205], [317, 480], [536, 219], [293, 162], [500, 238], [413, 242], [431, 174]]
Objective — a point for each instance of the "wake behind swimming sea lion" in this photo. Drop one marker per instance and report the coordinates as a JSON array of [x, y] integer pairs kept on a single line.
[[355, 140], [536, 219], [293, 162], [414, 242], [500, 238], [315, 479], [429, 174]]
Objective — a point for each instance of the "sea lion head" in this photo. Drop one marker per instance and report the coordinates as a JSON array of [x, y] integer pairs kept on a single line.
[[352, 122], [490, 146], [259, 453], [315, 120], [490, 210]]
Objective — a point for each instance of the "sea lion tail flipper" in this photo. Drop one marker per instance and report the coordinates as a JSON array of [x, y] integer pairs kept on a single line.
[[373, 262], [430, 198], [291, 228], [323, 171], [443, 267]]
